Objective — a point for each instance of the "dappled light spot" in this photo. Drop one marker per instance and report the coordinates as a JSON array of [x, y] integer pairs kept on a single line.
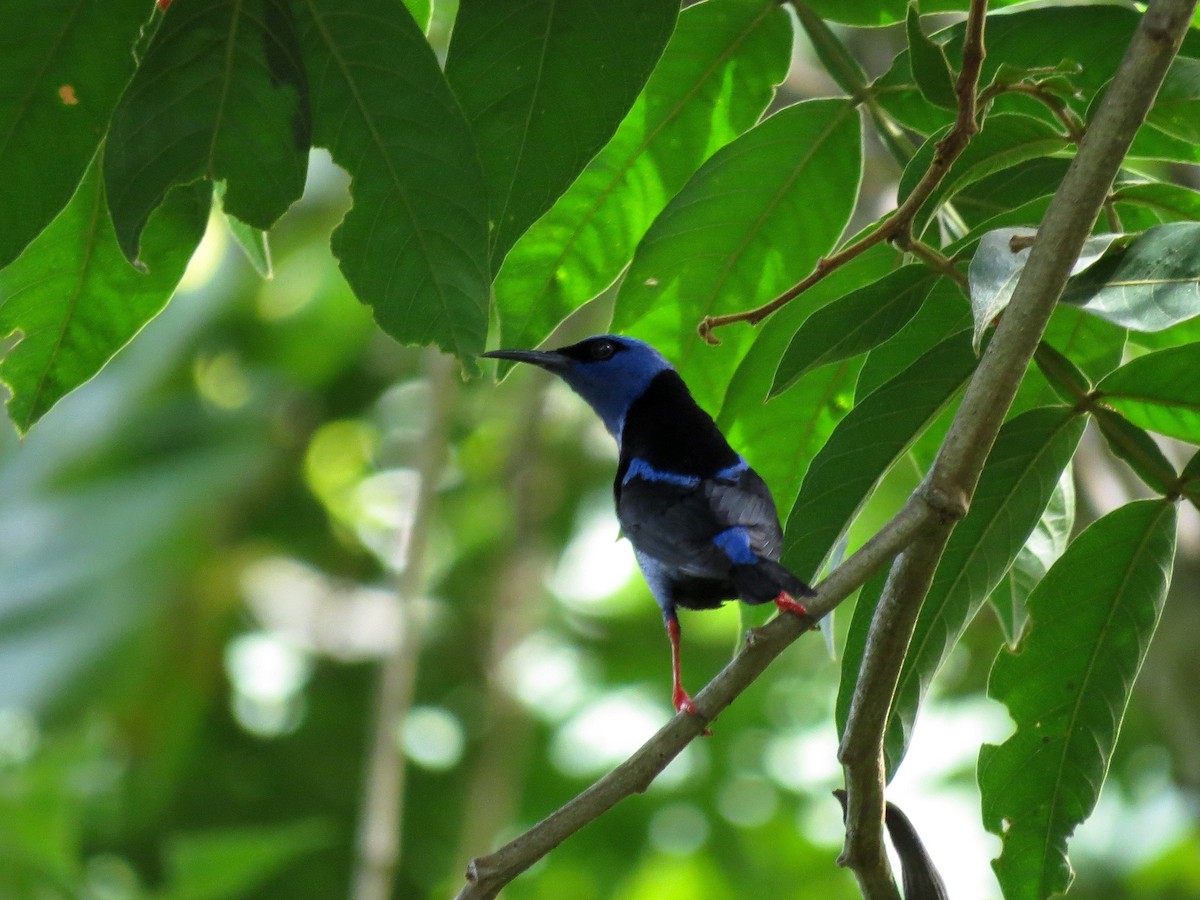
[[267, 673], [19, 736], [606, 732], [679, 829], [547, 675], [432, 737]]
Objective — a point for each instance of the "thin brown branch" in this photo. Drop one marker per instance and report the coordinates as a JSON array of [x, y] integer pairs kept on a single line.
[[898, 225], [955, 473], [381, 813], [488, 874], [1058, 107]]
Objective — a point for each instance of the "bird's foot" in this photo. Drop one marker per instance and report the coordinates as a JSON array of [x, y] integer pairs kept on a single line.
[[787, 603], [683, 703]]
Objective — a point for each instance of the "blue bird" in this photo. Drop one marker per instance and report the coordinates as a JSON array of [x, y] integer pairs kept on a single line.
[[702, 523]]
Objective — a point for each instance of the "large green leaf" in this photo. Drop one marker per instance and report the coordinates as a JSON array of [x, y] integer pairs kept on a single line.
[[1005, 141], [1067, 686], [64, 65], [1043, 547], [1176, 108], [779, 438], [1153, 284], [220, 94], [945, 313], [715, 78], [414, 245], [544, 86], [1159, 391], [1014, 490], [855, 323], [1009, 189], [1171, 202], [740, 232], [864, 444], [74, 300]]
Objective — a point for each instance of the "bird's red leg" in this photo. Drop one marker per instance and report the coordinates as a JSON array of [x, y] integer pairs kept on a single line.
[[683, 703], [787, 603]]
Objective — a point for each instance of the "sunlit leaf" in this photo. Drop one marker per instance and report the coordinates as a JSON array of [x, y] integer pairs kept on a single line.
[[414, 245], [1172, 202], [1159, 391], [1067, 686], [544, 86], [715, 78], [74, 300], [740, 232]]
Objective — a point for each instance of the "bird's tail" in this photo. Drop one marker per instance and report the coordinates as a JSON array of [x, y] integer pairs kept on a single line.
[[762, 582]]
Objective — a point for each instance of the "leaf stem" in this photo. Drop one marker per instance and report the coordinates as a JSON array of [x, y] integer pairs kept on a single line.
[[897, 227]]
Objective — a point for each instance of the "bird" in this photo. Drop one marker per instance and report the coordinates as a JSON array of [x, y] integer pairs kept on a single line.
[[702, 522]]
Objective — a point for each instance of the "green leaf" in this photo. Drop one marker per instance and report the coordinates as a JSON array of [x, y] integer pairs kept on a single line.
[[1172, 202], [944, 313], [1009, 189], [930, 68], [1005, 141], [1067, 688], [779, 438], [1159, 391], [1045, 544], [998, 263], [1152, 285], [1137, 449], [715, 78], [1014, 490], [65, 63], [220, 94], [251, 241], [233, 862], [1067, 380], [740, 232], [885, 12], [855, 323], [832, 51], [544, 86], [864, 444], [74, 301], [414, 245], [1176, 109]]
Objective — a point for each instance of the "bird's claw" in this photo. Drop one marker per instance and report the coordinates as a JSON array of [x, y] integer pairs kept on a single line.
[[683, 703], [787, 603]]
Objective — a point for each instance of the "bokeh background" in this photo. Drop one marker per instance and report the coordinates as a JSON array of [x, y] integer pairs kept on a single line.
[[202, 560]]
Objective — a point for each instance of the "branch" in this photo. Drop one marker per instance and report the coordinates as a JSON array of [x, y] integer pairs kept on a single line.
[[897, 227], [955, 473], [488, 874], [383, 785]]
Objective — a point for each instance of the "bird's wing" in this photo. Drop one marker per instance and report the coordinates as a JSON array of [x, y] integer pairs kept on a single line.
[[674, 518]]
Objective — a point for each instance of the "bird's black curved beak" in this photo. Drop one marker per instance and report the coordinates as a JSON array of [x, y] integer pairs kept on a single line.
[[546, 359]]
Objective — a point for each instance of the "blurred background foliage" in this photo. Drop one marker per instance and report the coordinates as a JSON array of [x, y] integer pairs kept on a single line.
[[198, 570]]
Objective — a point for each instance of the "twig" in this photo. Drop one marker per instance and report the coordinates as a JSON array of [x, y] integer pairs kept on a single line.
[[1066, 116], [487, 875], [955, 472], [381, 813], [898, 225]]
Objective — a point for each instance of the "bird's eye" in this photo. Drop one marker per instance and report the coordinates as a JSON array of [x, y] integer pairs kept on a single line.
[[603, 350]]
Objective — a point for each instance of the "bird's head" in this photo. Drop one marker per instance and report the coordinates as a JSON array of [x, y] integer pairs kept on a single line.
[[608, 371]]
